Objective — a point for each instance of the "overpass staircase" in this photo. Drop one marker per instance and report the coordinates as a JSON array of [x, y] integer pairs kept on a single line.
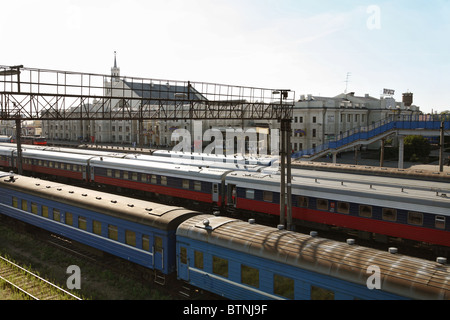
[[425, 125]]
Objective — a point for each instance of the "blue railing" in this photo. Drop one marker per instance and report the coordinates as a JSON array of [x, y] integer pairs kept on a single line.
[[424, 122]]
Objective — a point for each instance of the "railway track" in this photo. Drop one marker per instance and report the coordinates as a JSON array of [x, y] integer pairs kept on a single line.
[[31, 285]]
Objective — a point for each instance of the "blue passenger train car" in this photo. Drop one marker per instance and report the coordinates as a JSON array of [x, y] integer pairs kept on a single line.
[[139, 231], [241, 260]]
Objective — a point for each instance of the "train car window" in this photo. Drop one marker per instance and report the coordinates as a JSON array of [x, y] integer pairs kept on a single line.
[[109, 172], [45, 211], [34, 208], [56, 215], [439, 222], [130, 238], [116, 173], [302, 202], [134, 176], [69, 219], [198, 260], [158, 244], [365, 211], [197, 186], [24, 205], [164, 180], [322, 204], [389, 214], [40, 163], [153, 179], [283, 286], [415, 218], [145, 242], [250, 276], [267, 196], [220, 266], [343, 207], [97, 227], [250, 194], [15, 202], [183, 255], [318, 293], [125, 175], [113, 232], [51, 164], [185, 184], [82, 223]]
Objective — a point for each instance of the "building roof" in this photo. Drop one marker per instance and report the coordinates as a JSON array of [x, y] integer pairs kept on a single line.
[[171, 94]]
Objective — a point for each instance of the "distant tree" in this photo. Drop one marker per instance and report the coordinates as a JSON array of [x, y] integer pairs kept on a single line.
[[416, 148]]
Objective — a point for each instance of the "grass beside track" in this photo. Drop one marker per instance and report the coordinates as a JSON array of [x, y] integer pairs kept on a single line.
[[51, 263]]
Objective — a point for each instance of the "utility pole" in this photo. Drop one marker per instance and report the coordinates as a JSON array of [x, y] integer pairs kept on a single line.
[[441, 149]]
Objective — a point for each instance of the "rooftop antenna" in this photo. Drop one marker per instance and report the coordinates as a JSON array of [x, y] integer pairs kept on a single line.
[[347, 80]]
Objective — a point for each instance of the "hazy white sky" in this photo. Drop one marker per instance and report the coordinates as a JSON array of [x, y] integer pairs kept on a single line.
[[306, 46]]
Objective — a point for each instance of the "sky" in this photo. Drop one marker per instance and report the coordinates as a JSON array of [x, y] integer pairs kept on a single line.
[[310, 47]]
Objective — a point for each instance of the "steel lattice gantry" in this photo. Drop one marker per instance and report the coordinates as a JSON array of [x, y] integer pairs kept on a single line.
[[38, 94], [31, 94]]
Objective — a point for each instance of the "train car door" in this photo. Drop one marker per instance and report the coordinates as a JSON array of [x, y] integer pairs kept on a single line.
[[183, 263], [215, 192], [158, 253], [232, 195]]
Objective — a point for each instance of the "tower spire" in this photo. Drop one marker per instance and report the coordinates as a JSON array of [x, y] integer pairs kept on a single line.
[[115, 71]]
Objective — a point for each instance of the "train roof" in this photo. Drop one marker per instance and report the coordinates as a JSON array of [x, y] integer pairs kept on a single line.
[[426, 199], [179, 170], [406, 276], [55, 156], [152, 214]]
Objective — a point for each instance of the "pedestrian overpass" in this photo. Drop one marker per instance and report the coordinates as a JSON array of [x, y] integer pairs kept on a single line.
[[424, 125]]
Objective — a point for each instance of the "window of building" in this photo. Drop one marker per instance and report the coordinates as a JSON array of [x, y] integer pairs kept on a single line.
[[198, 260], [314, 133], [283, 286], [415, 218], [250, 276], [314, 119], [365, 211], [113, 232], [130, 238], [318, 293], [220, 266]]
